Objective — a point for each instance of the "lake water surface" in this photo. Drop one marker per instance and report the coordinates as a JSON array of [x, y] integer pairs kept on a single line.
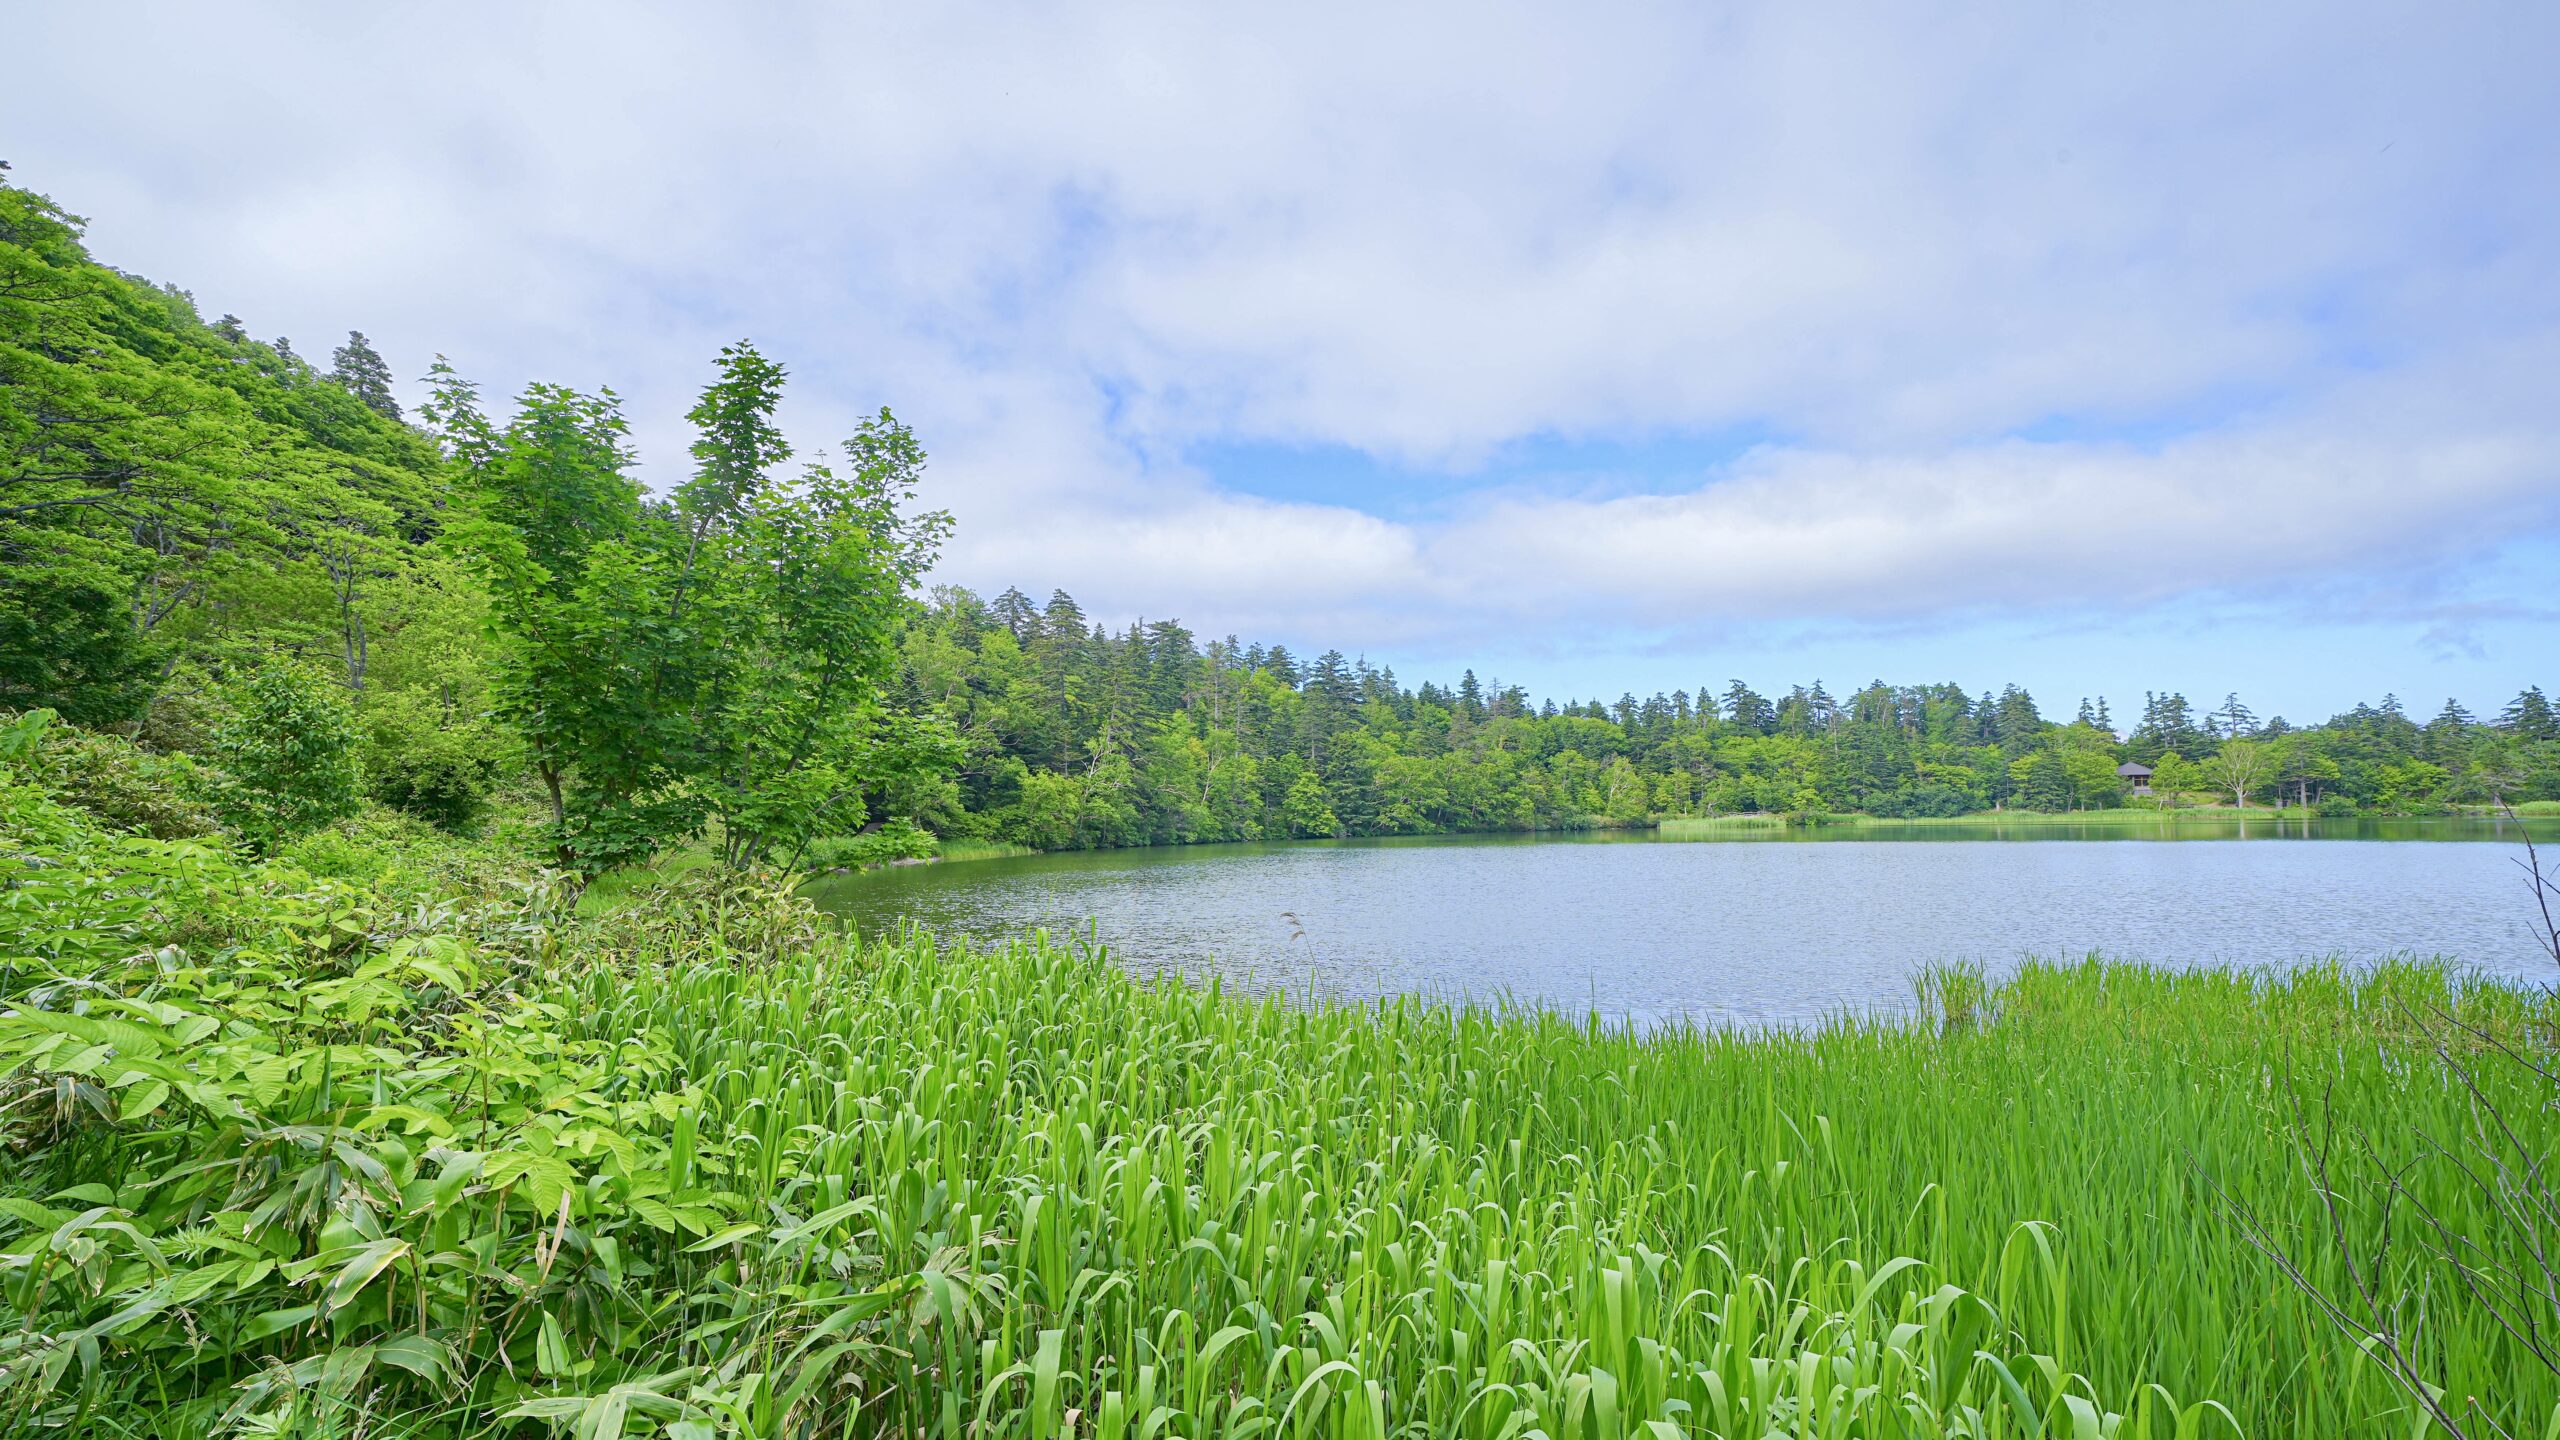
[[1749, 928]]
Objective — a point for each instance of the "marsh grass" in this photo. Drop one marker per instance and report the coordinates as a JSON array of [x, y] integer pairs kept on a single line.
[[1716, 824], [632, 885], [2128, 819], [956, 848], [708, 1166], [1460, 1219]]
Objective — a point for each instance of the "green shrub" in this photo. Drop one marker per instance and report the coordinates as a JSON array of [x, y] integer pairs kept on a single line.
[[1919, 802], [127, 787], [2335, 807], [70, 646], [288, 749], [406, 857], [421, 758], [897, 840]]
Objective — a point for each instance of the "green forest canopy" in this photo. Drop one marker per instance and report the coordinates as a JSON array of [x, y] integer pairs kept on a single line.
[[496, 604]]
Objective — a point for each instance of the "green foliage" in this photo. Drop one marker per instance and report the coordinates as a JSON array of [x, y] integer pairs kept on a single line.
[[1306, 814], [125, 786], [359, 368], [897, 840], [793, 733], [422, 756], [575, 614], [1921, 802], [169, 492], [1074, 736], [1046, 811], [2241, 766], [718, 659], [286, 1147], [287, 747], [66, 645], [407, 860]]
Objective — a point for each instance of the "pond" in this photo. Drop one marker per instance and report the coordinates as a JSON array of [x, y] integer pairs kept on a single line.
[[1753, 926]]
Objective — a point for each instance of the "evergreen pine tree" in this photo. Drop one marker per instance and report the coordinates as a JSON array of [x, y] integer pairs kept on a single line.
[[359, 368], [1016, 613], [1748, 709], [2016, 722], [2529, 715]]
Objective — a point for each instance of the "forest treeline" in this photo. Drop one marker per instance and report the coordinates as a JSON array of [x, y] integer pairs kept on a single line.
[[1078, 735], [294, 600]]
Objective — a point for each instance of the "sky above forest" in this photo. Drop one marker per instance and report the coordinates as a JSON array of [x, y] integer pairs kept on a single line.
[[2093, 347]]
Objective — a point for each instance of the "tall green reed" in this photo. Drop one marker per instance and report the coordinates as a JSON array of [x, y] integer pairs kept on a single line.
[[704, 1166]]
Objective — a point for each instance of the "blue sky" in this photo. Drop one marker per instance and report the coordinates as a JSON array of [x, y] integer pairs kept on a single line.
[[1599, 348]]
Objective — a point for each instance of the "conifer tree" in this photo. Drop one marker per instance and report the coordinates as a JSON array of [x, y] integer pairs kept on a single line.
[[2235, 719], [2530, 716], [358, 367], [1016, 612]]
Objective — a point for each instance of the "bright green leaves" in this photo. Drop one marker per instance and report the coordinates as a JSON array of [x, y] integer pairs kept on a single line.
[[543, 1180], [720, 657], [360, 1269], [288, 755], [172, 495], [564, 544], [318, 1165], [736, 444]]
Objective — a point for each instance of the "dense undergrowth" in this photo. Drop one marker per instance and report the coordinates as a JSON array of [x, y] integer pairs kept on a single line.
[[396, 1150]]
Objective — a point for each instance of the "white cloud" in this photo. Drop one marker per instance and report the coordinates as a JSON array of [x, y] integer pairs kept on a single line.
[[2275, 284], [2013, 526]]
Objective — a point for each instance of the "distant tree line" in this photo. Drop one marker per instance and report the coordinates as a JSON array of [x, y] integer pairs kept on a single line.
[[1076, 735]]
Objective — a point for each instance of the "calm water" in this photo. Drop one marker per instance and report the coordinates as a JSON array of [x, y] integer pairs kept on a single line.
[[1746, 927]]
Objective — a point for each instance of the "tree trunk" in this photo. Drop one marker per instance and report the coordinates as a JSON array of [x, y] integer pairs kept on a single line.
[[359, 651], [559, 819]]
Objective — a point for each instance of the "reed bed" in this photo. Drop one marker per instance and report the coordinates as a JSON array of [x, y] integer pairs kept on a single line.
[[1168, 1208], [284, 1156]]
